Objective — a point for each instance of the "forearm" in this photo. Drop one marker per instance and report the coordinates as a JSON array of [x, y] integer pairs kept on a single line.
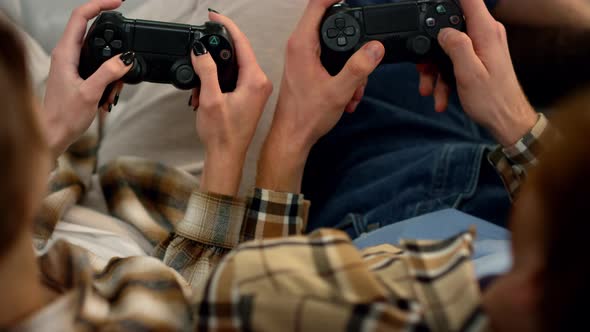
[[222, 173], [573, 13], [282, 161]]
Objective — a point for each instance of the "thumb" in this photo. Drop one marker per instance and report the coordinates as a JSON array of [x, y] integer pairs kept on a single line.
[[459, 47], [360, 66], [110, 71], [206, 68]]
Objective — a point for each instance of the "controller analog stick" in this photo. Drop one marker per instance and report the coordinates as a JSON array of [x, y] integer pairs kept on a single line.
[[420, 45], [185, 74]]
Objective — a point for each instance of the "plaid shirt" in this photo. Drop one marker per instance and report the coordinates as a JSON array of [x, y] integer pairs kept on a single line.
[[222, 263]]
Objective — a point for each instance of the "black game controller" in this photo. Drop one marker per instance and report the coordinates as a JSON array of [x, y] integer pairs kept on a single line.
[[162, 51], [407, 29]]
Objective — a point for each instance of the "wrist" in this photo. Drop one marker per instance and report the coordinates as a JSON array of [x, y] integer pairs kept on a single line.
[[222, 172], [282, 162], [512, 127]]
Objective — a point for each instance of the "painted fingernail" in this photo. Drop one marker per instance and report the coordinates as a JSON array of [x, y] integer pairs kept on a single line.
[[116, 101], [110, 107], [195, 109], [211, 10], [199, 48], [190, 101], [128, 58]]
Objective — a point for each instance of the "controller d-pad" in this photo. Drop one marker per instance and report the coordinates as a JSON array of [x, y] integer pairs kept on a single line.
[[108, 43], [341, 31]]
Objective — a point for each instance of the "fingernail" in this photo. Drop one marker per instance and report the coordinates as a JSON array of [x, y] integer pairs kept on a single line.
[[116, 101], [128, 58], [375, 51], [199, 48], [195, 109], [110, 107], [190, 101], [213, 11]]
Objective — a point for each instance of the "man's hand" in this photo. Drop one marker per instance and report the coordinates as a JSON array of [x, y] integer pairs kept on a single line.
[[486, 81], [311, 102], [226, 123], [71, 103]]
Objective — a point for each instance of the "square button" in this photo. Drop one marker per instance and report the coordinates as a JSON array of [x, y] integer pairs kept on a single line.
[[430, 22], [333, 33]]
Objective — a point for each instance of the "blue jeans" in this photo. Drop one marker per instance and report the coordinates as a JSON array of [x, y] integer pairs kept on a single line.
[[395, 159]]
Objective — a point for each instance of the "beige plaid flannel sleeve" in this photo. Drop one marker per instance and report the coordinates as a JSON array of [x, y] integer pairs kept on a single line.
[[513, 163], [215, 224]]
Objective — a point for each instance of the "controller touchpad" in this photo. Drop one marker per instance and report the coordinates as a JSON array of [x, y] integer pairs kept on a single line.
[[161, 40], [381, 20]]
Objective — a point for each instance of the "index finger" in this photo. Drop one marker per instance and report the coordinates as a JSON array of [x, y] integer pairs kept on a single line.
[[478, 17], [75, 31], [246, 57]]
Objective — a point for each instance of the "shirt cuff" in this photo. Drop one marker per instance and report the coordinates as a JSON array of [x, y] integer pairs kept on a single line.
[[526, 151], [213, 219], [274, 214]]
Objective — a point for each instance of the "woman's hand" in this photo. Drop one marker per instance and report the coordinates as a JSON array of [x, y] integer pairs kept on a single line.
[[311, 101], [486, 81], [71, 103], [226, 123]]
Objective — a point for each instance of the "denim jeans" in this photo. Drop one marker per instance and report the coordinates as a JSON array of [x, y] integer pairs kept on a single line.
[[395, 158]]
